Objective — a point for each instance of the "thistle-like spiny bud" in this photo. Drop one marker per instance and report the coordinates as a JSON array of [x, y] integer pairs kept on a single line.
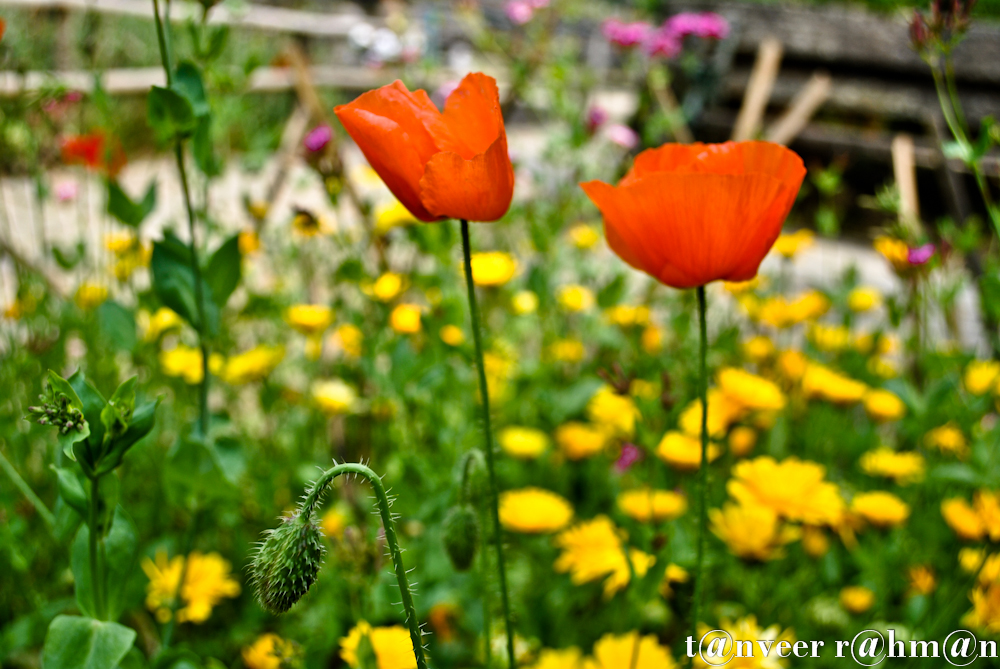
[[461, 536], [287, 562]]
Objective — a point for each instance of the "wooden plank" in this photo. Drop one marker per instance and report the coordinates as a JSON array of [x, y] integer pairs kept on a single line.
[[758, 89], [802, 108], [904, 169]]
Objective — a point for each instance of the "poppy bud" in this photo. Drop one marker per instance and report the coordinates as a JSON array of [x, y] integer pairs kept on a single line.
[[918, 31], [287, 562], [461, 536], [474, 482]]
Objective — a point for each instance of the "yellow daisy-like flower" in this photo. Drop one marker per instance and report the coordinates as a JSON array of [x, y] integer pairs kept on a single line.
[[895, 251], [742, 439], [350, 337], [963, 519], [392, 646], [779, 312], [794, 489], [814, 541], [452, 335], [309, 319], [857, 599], [738, 288], [584, 236], [922, 580], [267, 652], [533, 511], [863, 299], [749, 390], [90, 295], [594, 549], [647, 505], [722, 412], [334, 396], [523, 442], [883, 405], [388, 286], [248, 242], [627, 316], [163, 320], [524, 302], [565, 658], [392, 215], [405, 319], [620, 651], [792, 365], [882, 509], [333, 523], [791, 244], [824, 383], [904, 467], [567, 350], [579, 440], [751, 532], [948, 439], [615, 414], [758, 349], [829, 338], [981, 376], [575, 298], [673, 574], [207, 582], [252, 365], [682, 451], [985, 613], [746, 633], [186, 362], [493, 268]]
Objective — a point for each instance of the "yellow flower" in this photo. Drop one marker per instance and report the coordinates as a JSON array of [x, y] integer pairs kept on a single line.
[[904, 467], [258, 209], [187, 363], [814, 541], [779, 312], [523, 442], [824, 383], [882, 509], [981, 376], [594, 549], [90, 295], [584, 236], [452, 335], [948, 439], [248, 242], [392, 646], [392, 215], [267, 652], [922, 580], [758, 349], [881, 367], [742, 440], [673, 574], [791, 244], [963, 519], [629, 651], [883, 405], [307, 224], [500, 367], [334, 396], [746, 633], [533, 511], [253, 365], [792, 364], [829, 338], [643, 389], [738, 288], [987, 504], [388, 286], [647, 505], [794, 489], [524, 302], [857, 599], [579, 440], [567, 350], [652, 340], [985, 613], [207, 582], [405, 319], [683, 452], [566, 658], [575, 298], [350, 338], [895, 251], [151, 327], [309, 319], [722, 412], [493, 268], [333, 523], [749, 391], [626, 316], [615, 414], [751, 532], [863, 299]]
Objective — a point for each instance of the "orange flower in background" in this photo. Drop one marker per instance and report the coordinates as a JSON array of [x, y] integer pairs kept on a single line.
[[439, 165], [689, 214], [93, 151], [3, 27]]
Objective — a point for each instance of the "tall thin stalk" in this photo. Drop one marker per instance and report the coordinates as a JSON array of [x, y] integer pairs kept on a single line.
[[488, 438], [97, 582], [699, 574], [22, 485]]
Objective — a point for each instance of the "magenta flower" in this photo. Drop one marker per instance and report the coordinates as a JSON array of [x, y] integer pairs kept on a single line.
[[66, 190], [538, 4], [663, 43], [707, 25], [596, 117], [631, 454], [921, 254], [622, 135], [318, 138], [625, 35], [519, 12]]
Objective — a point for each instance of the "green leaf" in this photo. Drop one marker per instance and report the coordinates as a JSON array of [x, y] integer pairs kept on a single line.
[[612, 292], [71, 490], [142, 422], [174, 283], [223, 271], [69, 258], [193, 473], [169, 114], [129, 212], [117, 324], [202, 149], [118, 411], [73, 642], [88, 451], [188, 83], [955, 471]]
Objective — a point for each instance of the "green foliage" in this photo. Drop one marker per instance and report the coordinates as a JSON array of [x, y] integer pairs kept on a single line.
[[129, 212], [83, 643]]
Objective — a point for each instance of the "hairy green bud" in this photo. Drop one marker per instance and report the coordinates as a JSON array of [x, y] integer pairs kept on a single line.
[[287, 562], [57, 409], [474, 479], [461, 536]]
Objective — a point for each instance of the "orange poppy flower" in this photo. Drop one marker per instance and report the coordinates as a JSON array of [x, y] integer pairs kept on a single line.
[[93, 151], [440, 165], [688, 214], [3, 27]]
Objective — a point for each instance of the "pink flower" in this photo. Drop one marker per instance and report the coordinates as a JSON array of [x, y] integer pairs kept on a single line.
[[662, 42], [66, 190], [446, 89], [596, 117], [622, 135], [538, 4], [921, 254], [318, 138], [708, 25], [624, 34], [631, 454], [519, 11]]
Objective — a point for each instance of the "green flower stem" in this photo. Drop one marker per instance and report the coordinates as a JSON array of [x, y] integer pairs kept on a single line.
[[312, 499], [488, 436], [699, 575], [22, 485], [175, 603], [97, 581]]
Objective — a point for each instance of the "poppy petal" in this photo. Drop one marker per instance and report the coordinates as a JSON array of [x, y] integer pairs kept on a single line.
[[389, 151], [667, 158], [475, 190], [472, 111]]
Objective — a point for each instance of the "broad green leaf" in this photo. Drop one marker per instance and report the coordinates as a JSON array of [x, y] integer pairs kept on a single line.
[[202, 149], [611, 293], [129, 212], [169, 114], [188, 83], [71, 490], [73, 642], [174, 284], [88, 451], [142, 421], [120, 550], [223, 271], [117, 324]]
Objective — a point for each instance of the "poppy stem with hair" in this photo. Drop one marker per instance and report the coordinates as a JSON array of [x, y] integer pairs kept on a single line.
[[699, 576], [488, 435]]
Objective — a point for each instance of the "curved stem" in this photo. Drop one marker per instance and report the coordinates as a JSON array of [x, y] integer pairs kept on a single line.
[[22, 485], [308, 506], [96, 573], [488, 436], [699, 577]]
